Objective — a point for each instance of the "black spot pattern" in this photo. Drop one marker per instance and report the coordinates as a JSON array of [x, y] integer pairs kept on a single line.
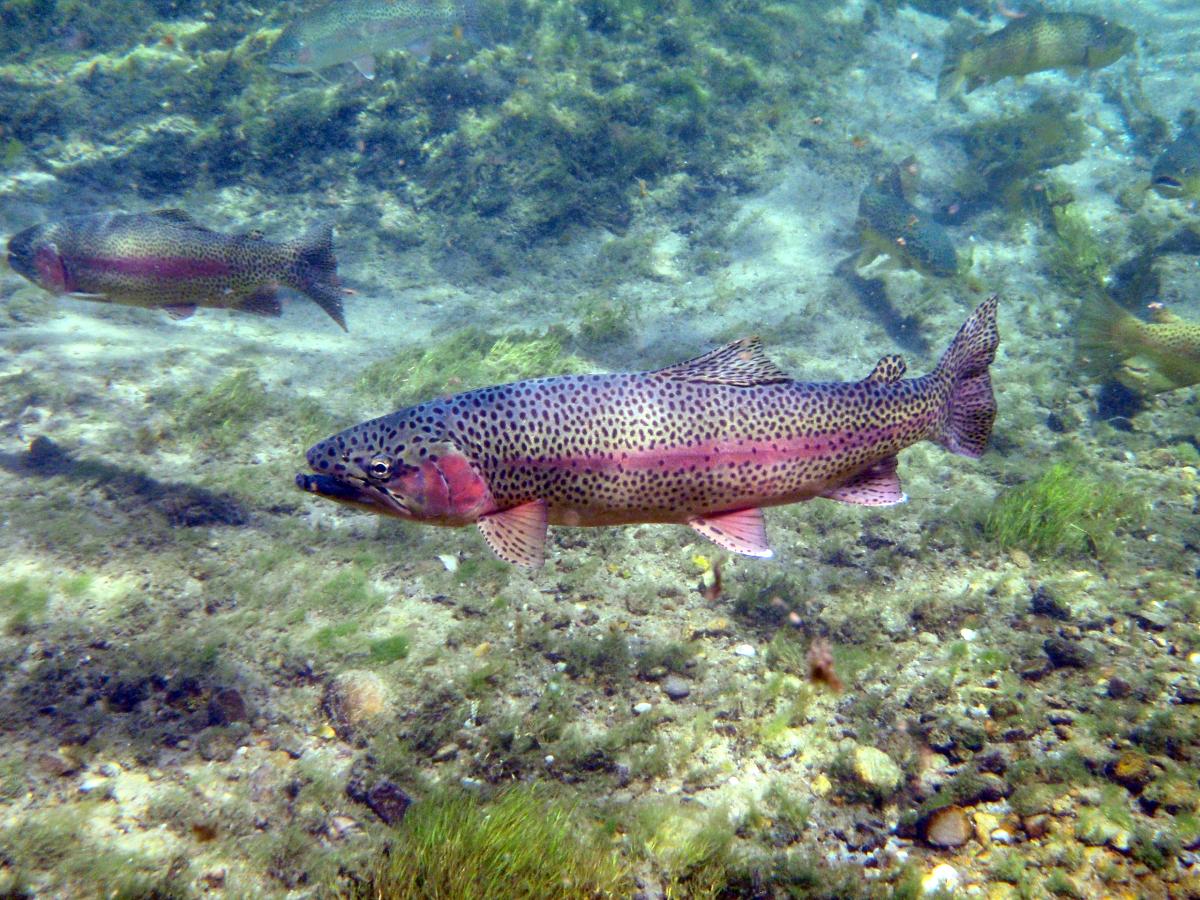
[[112, 256], [663, 446]]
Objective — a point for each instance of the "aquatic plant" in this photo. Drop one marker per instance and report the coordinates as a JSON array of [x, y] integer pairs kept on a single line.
[[525, 845], [1074, 255], [221, 415], [1061, 512], [1006, 152], [21, 602], [467, 359]]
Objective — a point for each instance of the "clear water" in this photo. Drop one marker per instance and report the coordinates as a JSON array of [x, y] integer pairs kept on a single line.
[[213, 682]]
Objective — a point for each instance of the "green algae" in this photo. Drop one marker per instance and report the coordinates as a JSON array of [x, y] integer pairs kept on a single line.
[[467, 359], [1074, 255], [1008, 152], [1061, 512], [22, 603], [523, 844], [223, 414]]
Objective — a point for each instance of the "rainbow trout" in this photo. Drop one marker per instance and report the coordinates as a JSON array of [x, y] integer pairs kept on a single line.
[[1147, 357], [165, 260], [354, 31], [706, 443], [1035, 43]]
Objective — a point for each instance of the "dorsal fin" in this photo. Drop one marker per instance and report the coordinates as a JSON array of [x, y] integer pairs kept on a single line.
[[741, 363], [888, 370], [179, 217]]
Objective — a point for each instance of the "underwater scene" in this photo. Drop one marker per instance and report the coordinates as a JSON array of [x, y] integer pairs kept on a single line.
[[599, 448]]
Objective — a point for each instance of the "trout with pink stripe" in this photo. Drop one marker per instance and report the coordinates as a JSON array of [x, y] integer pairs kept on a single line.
[[706, 443], [165, 260]]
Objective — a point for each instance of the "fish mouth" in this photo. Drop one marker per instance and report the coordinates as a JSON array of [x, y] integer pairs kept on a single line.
[[20, 253], [354, 492], [1168, 186]]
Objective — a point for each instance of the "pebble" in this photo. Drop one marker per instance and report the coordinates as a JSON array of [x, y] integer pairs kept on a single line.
[[445, 753], [354, 698], [746, 650], [642, 708], [388, 801], [1067, 654], [93, 784], [876, 769], [948, 828], [944, 879], [226, 706], [675, 687]]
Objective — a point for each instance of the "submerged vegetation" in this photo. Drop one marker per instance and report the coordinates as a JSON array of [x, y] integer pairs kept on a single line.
[[525, 845], [1062, 512]]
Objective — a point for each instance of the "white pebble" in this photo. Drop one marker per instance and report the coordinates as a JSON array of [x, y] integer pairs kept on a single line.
[[745, 650], [943, 879], [968, 634], [642, 708], [450, 561]]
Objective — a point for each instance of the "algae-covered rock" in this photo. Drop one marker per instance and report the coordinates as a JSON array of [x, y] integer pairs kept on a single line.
[[876, 771]]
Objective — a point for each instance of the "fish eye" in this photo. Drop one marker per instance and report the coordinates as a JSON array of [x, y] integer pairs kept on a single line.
[[379, 467]]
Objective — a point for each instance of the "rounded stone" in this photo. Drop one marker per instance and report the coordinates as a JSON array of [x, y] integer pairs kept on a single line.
[[675, 687], [948, 828], [354, 698], [876, 770]]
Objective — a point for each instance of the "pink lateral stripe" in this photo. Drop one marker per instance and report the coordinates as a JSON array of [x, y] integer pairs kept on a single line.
[[166, 267], [710, 454]]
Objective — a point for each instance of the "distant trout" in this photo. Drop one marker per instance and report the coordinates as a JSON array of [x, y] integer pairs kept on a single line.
[[707, 443], [1037, 42], [355, 31], [1176, 172], [165, 260], [1147, 357], [889, 225]]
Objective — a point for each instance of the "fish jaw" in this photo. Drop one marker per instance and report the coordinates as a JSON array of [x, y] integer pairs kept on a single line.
[[442, 488], [34, 255]]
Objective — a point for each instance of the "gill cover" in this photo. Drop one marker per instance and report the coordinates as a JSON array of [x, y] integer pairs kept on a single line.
[[442, 488]]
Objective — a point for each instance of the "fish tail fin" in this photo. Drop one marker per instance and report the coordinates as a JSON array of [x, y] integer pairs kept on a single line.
[[315, 271], [970, 406], [952, 77], [1102, 330]]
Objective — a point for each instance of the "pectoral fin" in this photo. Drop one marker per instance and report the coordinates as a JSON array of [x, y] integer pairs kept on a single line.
[[517, 535], [365, 65], [876, 485], [743, 531], [179, 311]]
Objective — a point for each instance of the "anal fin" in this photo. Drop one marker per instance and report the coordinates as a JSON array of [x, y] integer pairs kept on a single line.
[[876, 485], [179, 311], [517, 535], [262, 303], [743, 531]]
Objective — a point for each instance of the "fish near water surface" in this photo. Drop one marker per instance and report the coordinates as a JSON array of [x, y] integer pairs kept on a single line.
[[165, 260], [356, 31], [1037, 42], [889, 225], [706, 443], [1146, 357]]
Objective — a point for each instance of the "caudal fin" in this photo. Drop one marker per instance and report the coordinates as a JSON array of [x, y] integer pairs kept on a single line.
[[316, 272], [971, 406], [1099, 333]]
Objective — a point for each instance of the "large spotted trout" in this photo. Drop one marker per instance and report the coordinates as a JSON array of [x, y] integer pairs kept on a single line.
[[167, 260], [706, 443]]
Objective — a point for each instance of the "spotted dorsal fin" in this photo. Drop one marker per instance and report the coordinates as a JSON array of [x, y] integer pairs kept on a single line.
[[174, 215], [888, 370], [742, 363]]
